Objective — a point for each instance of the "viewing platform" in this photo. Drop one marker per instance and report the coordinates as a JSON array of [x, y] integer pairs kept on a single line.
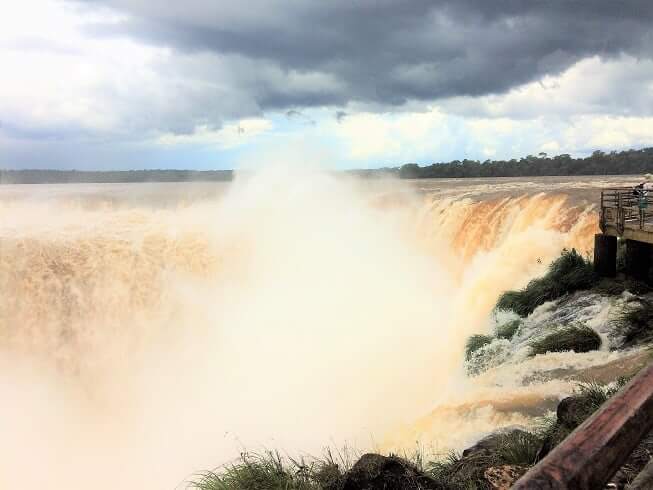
[[626, 214]]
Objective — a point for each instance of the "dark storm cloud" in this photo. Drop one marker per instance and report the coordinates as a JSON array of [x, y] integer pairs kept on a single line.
[[389, 52]]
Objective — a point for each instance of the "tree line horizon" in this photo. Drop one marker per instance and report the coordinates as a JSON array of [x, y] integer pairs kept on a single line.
[[627, 162]]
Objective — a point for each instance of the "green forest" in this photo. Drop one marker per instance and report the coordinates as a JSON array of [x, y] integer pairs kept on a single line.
[[628, 162], [598, 163]]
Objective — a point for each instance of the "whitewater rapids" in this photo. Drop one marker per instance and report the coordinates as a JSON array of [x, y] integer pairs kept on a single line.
[[143, 339]]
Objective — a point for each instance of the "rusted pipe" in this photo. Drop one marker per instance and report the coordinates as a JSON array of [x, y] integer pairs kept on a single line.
[[599, 446]]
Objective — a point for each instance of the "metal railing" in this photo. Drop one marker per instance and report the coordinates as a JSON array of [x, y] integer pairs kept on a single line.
[[626, 208], [593, 453]]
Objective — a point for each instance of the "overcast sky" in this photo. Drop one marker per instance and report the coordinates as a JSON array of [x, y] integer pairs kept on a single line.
[[348, 83]]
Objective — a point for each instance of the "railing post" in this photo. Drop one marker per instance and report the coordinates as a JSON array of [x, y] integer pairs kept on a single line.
[[602, 215]]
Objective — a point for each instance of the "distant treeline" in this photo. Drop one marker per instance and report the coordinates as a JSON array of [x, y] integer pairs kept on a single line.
[[598, 163], [70, 176]]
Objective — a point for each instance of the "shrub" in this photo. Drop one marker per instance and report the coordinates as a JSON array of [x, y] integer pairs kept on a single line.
[[518, 448], [458, 472], [614, 287], [474, 343], [268, 471], [508, 330], [461, 473], [487, 357], [588, 399], [577, 338], [515, 301], [568, 273], [611, 287], [635, 322]]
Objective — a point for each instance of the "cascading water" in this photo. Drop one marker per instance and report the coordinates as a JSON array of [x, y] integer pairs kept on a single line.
[[142, 341]]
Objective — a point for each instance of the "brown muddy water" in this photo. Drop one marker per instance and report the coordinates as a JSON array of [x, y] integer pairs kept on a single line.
[[148, 331]]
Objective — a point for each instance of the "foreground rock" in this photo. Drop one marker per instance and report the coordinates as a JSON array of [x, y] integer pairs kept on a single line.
[[503, 477], [376, 472]]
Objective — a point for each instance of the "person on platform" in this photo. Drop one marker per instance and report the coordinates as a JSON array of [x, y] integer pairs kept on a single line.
[[642, 189], [641, 192], [647, 185]]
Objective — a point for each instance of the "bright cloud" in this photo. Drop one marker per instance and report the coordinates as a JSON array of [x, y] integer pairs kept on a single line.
[[57, 81]]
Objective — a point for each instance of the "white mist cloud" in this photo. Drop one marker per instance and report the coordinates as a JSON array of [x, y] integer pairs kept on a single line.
[[296, 310]]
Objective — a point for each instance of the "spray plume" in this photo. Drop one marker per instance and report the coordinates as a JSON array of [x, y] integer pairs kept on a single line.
[[140, 342]]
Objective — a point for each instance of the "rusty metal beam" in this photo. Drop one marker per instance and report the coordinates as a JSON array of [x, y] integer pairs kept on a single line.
[[593, 453]]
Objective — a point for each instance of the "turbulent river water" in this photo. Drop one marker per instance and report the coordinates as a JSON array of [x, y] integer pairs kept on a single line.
[[148, 331]]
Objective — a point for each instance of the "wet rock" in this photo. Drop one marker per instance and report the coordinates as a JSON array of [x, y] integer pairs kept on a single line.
[[571, 411], [376, 472], [503, 477]]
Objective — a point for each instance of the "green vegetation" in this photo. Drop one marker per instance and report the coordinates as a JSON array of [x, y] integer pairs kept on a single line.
[[524, 449], [508, 330], [635, 322], [616, 286], [577, 338], [474, 343], [460, 472], [610, 287], [269, 471], [568, 273], [477, 361], [516, 448], [573, 411], [598, 163]]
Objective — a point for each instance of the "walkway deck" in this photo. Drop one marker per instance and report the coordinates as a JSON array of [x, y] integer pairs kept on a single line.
[[626, 214]]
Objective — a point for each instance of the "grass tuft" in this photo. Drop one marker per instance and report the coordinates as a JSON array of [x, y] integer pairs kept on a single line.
[[614, 286], [635, 322], [269, 471], [575, 338], [519, 448], [458, 472], [474, 343], [568, 273], [588, 399], [508, 330]]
